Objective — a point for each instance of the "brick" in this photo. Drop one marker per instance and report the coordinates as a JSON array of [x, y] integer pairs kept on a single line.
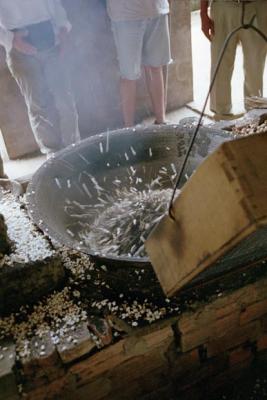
[[145, 342], [58, 389], [240, 355], [262, 342], [207, 315], [206, 370], [159, 336], [223, 306], [233, 338], [75, 344], [117, 354], [205, 333], [99, 363], [185, 362], [253, 311], [140, 374], [8, 386], [136, 368]]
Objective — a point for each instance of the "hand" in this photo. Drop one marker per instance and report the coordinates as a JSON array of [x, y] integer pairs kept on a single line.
[[207, 26], [21, 45], [62, 38]]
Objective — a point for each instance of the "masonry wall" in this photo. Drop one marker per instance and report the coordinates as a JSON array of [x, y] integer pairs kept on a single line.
[[91, 57], [203, 348]]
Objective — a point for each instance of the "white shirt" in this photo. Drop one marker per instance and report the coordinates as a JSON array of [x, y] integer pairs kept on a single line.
[[20, 13], [124, 10]]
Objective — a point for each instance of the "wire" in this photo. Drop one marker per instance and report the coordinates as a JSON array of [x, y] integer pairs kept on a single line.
[[220, 58]]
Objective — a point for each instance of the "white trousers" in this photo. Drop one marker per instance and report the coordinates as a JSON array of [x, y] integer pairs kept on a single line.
[[43, 81], [227, 15]]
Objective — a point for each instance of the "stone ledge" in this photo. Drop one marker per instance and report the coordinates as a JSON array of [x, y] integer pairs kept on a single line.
[[27, 283], [32, 268]]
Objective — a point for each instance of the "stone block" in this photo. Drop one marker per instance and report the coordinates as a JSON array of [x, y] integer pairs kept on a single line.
[[43, 363], [75, 343], [8, 386], [27, 283]]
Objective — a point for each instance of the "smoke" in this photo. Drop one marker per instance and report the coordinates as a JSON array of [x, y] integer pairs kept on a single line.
[[92, 61]]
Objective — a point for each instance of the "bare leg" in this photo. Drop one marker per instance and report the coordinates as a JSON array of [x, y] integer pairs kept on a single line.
[[128, 100], [155, 83]]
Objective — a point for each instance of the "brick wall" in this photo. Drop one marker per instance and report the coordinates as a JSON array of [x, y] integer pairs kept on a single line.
[[207, 346]]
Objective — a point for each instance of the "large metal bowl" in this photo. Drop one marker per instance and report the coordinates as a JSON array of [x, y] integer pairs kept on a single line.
[[76, 173]]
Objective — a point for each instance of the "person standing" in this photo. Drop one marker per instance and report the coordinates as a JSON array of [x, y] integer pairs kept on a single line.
[[33, 33], [224, 17], [141, 34]]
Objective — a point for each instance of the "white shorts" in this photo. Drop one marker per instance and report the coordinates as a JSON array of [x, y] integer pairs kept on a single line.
[[141, 42]]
